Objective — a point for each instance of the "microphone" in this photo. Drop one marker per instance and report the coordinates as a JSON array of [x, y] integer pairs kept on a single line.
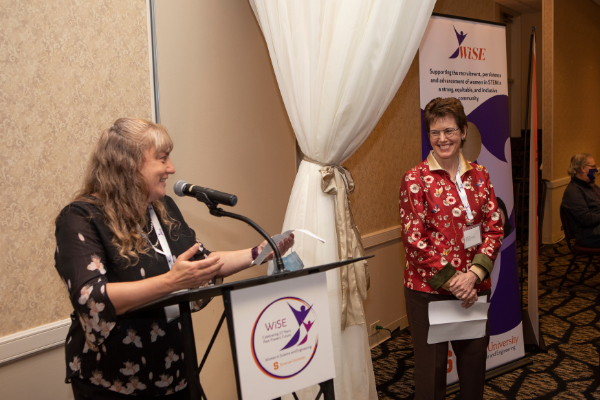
[[205, 195]]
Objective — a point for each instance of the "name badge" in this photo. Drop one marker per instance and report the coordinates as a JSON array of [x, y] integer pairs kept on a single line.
[[472, 235], [172, 312]]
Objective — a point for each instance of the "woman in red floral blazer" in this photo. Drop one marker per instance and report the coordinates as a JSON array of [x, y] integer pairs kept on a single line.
[[452, 232]]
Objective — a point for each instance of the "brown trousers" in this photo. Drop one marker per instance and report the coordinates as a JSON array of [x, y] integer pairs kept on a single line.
[[431, 360]]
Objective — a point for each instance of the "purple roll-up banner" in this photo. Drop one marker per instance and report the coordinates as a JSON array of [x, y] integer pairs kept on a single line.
[[466, 59]]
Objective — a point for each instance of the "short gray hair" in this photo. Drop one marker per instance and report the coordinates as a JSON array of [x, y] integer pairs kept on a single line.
[[578, 161]]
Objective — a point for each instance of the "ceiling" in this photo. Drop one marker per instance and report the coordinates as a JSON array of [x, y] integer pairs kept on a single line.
[[523, 6], [527, 6]]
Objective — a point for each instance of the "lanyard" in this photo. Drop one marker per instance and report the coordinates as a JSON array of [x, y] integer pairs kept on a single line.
[[462, 193], [166, 251], [171, 312]]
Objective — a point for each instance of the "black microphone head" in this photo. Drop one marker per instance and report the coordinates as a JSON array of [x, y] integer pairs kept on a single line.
[[178, 188]]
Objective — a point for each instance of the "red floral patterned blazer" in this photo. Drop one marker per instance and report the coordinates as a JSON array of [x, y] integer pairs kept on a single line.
[[433, 218]]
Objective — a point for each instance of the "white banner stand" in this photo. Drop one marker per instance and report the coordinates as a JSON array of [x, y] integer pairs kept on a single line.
[[466, 58]]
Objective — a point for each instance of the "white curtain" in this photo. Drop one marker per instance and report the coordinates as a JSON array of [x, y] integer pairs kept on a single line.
[[338, 65]]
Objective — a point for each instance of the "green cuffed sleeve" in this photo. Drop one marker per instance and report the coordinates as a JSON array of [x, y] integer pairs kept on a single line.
[[442, 276], [483, 261]]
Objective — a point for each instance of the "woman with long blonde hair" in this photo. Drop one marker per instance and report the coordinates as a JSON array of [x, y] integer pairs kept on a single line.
[[123, 243]]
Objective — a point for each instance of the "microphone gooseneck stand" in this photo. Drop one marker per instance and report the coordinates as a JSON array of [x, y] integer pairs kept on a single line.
[[196, 391], [219, 212], [184, 299]]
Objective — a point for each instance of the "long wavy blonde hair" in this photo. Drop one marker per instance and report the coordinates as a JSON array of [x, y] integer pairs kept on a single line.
[[114, 183]]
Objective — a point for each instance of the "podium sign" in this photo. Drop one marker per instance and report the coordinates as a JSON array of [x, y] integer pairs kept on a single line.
[[282, 336]]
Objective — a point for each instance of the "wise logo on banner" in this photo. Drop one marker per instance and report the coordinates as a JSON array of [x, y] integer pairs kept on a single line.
[[468, 53], [284, 337]]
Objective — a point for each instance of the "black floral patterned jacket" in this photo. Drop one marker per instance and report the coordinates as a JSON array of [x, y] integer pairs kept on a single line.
[[140, 353]]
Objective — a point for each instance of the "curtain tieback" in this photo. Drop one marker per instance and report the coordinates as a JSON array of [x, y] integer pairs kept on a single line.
[[337, 181], [310, 160]]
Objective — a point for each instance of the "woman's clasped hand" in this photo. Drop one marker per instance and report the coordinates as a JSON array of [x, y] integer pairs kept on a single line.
[[462, 287]]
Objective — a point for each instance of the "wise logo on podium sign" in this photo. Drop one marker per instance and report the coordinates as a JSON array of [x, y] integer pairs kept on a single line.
[[282, 336], [285, 337]]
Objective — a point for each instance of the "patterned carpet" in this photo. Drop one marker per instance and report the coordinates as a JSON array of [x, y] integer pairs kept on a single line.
[[570, 324]]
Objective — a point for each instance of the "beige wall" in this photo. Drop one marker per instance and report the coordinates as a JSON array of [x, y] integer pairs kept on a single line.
[[527, 22], [68, 70], [576, 81], [571, 78], [48, 371], [551, 225], [547, 83], [221, 103], [385, 302]]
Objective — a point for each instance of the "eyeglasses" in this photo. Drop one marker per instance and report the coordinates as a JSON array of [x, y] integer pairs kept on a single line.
[[448, 132]]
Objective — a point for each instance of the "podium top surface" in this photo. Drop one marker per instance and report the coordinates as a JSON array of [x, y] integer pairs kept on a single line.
[[217, 290]]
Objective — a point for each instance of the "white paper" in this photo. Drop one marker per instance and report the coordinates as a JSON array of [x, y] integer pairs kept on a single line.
[[448, 320], [278, 239]]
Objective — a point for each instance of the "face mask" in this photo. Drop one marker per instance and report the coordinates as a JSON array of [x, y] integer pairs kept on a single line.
[[292, 262], [592, 174]]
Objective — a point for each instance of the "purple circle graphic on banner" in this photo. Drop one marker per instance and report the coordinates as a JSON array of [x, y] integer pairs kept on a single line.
[[285, 337]]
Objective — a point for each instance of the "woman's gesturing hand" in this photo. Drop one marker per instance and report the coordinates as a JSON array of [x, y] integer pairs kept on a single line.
[[187, 274], [283, 246]]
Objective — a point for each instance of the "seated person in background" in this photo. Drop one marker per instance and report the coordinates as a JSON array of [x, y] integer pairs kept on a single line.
[[581, 201]]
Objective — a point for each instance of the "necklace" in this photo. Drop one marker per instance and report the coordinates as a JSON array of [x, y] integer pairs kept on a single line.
[[148, 236]]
